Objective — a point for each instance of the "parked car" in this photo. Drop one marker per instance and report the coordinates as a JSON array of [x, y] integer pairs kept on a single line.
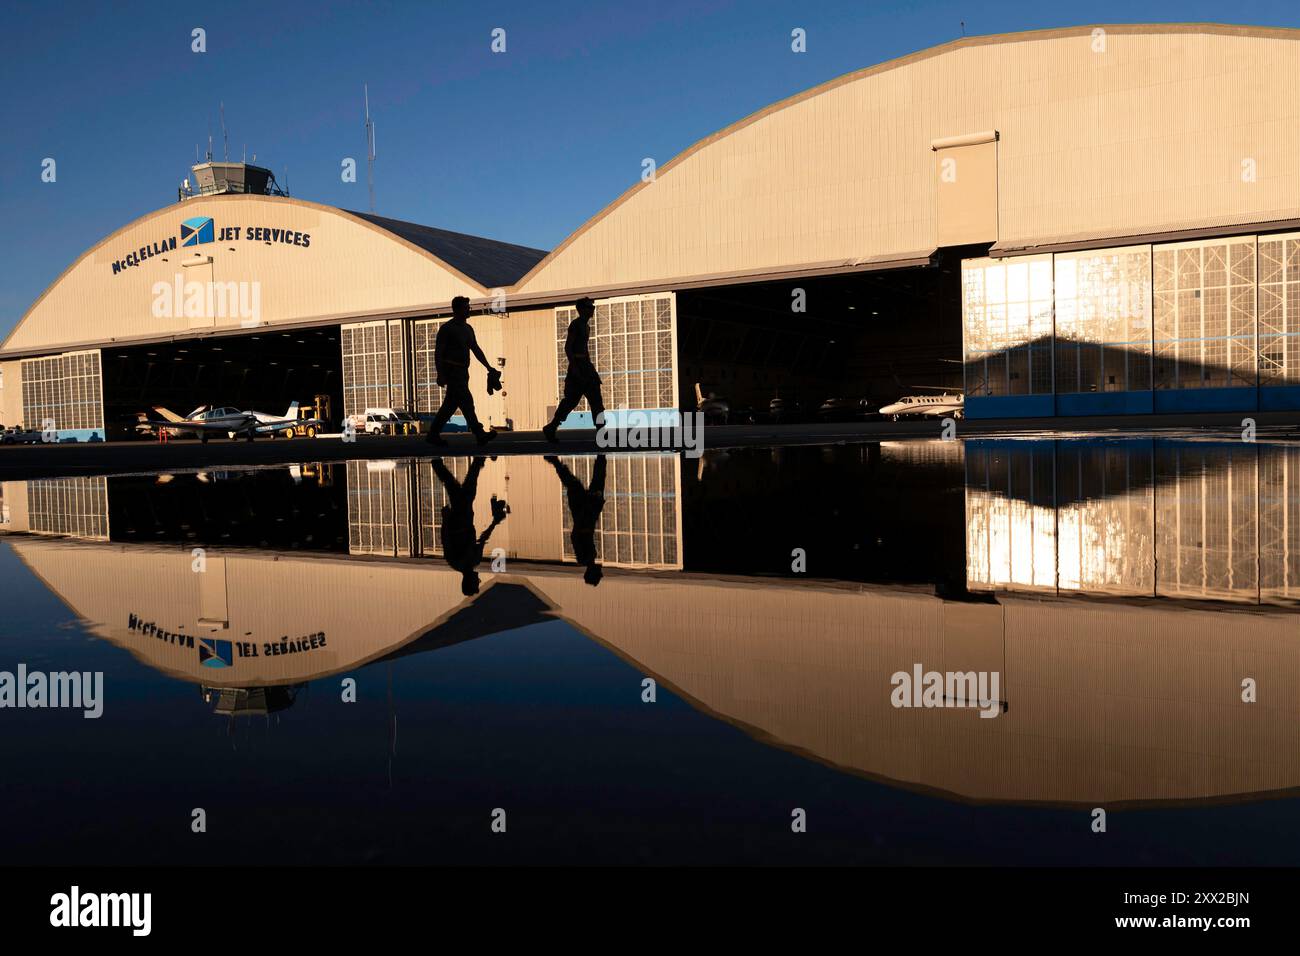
[[20, 436]]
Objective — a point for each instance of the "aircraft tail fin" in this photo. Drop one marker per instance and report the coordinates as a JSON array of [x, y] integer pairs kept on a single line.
[[293, 411]]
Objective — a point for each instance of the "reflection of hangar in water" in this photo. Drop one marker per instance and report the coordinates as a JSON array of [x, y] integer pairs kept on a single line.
[[1105, 221], [1107, 701], [1095, 709], [382, 508], [1135, 518]]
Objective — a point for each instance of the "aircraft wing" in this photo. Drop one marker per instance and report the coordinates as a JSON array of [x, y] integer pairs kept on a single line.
[[265, 427], [274, 424]]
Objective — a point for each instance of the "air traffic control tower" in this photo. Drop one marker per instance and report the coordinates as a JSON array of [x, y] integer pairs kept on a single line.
[[215, 179]]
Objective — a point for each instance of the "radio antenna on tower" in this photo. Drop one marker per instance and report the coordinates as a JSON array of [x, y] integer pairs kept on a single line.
[[370, 148], [225, 140]]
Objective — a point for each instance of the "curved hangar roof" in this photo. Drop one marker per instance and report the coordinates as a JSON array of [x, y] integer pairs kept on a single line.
[[1088, 134], [310, 263], [1133, 130]]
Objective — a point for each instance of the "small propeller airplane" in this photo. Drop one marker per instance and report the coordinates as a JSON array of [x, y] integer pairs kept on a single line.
[[205, 422]]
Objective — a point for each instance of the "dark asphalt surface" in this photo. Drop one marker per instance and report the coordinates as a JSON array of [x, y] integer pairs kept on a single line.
[[62, 460]]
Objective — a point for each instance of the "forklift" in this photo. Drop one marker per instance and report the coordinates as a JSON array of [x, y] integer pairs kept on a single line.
[[310, 418]]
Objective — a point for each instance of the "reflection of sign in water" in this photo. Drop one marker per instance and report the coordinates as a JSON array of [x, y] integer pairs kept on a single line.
[[218, 653], [214, 653], [136, 623]]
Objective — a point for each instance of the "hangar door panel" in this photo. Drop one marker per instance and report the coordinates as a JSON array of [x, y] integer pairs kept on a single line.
[[374, 366], [428, 393], [633, 345], [966, 189], [64, 392]]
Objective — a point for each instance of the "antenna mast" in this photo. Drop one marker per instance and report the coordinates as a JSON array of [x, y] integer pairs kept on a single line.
[[225, 140], [370, 148]]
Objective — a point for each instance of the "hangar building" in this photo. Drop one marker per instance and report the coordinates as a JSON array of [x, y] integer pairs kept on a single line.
[[1083, 220]]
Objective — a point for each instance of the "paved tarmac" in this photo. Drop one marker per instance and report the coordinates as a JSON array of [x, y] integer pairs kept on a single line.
[[102, 458]]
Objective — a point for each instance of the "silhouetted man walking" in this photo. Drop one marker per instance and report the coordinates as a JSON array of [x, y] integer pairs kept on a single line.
[[451, 351], [461, 549], [585, 505], [581, 381]]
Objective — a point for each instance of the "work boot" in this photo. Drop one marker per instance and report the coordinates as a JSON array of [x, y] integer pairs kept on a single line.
[[550, 432], [483, 436], [433, 438]]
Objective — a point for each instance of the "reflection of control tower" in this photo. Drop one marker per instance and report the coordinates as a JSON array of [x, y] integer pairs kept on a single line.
[[249, 701]]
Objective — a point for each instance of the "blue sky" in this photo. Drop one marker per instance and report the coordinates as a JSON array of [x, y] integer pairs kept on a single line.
[[523, 146]]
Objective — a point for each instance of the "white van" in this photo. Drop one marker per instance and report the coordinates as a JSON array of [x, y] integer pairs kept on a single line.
[[385, 421]]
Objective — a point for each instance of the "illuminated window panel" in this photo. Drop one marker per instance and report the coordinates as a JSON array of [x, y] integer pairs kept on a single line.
[[632, 348], [427, 392], [1103, 320], [374, 366], [1007, 320], [1279, 309], [1203, 314]]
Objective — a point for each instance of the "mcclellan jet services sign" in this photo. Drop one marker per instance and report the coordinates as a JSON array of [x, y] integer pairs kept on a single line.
[[201, 230]]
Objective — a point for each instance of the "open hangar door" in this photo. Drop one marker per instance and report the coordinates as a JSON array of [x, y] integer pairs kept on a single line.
[[262, 371], [863, 336]]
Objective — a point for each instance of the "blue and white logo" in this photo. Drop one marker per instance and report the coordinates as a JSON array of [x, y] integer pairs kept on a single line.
[[214, 653], [196, 231]]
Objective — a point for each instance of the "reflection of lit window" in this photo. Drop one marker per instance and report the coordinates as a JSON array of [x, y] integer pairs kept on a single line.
[[1136, 519], [71, 506], [379, 507], [640, 524], [433, 498]]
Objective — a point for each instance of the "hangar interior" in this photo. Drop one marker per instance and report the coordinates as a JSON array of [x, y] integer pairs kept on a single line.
[[264, 372], [870, 335]]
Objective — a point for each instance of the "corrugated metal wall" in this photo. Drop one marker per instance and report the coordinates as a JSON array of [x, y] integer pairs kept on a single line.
[[1135, 131]]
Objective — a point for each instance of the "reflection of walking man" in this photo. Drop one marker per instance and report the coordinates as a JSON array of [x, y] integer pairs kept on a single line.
[[462, 550], [582, 380], [585, 504], [451, 351]]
